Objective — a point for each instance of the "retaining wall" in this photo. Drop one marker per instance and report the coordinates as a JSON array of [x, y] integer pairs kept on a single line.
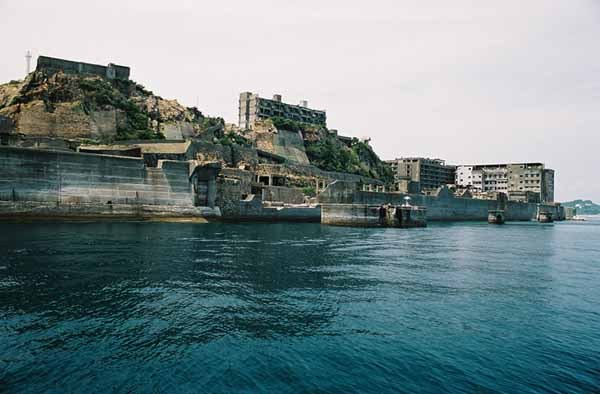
[[288, 195], [51, 178]]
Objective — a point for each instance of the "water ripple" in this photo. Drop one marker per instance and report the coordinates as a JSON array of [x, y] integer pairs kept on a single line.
[[166, 307]]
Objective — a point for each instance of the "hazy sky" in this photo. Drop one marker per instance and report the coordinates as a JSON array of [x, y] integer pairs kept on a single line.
[[469, 81]]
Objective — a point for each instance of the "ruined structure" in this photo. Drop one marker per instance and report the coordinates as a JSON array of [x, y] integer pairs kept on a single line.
[[52, 65], [414, 174], [441, 206], [526, 182], [286, 144], [76, 100], [253, 108]]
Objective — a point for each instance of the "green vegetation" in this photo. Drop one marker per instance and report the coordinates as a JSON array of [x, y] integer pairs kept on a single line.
[[208, 123], [309, 191], [331, 155], [99, 93], [140, 113], [325, 151], [233, 138], [290, 125]]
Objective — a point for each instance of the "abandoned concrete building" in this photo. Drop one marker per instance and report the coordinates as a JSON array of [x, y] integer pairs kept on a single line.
[[52, 65], [253, 108], [527, 182], [414, 174]]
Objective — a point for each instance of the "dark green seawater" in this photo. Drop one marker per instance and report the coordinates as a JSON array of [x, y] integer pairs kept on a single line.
[[286, 308]]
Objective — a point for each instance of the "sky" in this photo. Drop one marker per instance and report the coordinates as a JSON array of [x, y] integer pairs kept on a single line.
[[468, 81]]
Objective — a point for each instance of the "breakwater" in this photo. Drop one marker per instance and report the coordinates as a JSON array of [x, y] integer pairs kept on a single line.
[[54, 183]]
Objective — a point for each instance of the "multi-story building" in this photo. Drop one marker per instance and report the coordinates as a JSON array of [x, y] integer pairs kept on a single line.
[[252, 108], [548, 185], [52, 65], [429, 173], [519, 181]]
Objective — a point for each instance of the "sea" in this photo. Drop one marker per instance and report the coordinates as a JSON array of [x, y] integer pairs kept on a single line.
[[156, 307]]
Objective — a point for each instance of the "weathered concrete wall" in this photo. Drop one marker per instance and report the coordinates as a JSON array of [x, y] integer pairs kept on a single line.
[[358, 215], [252, 208], [288, 195], [229, 194], [79, 179], [207, 151], [236, 205], [104, 123], [283, 143], [299, 170], [100, 211], [243, 176], [444, 207], [58, 144], [67, 120], [7, 126], [177, 130], [111, 71], [233, 155], [244, 156]]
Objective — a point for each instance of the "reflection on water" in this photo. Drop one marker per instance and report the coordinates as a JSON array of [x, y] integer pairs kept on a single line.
[[147, 307]]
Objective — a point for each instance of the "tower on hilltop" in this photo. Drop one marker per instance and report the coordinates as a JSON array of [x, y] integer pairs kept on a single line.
[[28, 60]]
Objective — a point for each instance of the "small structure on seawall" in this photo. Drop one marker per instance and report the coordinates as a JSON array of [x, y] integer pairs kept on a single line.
[[545, 217], [365, 215], [496, 216], [404, 216]]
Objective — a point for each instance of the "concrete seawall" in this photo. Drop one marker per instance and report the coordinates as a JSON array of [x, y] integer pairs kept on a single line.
[[443, 207], [253, 208], [79, 184], [357, 215], [54, 183]]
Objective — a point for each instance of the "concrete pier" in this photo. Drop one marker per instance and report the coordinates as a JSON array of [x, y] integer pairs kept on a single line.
[[364, 215]]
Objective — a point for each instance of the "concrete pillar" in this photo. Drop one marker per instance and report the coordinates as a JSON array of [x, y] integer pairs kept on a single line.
[[270, 180], [211, 193]]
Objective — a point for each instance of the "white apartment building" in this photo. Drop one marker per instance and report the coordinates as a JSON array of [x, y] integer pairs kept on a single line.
[[515, 180]]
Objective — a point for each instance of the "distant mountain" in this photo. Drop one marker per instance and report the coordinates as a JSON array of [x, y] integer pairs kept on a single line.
[[584, 207]]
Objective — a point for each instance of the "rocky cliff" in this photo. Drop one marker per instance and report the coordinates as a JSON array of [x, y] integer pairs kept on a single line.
[[327, 151], [73, 106]]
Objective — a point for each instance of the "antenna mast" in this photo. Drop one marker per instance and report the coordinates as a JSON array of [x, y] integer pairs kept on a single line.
[[28, 59]]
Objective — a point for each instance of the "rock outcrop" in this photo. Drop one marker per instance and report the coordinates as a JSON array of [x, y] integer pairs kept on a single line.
[[307, 143], [75, 106]]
